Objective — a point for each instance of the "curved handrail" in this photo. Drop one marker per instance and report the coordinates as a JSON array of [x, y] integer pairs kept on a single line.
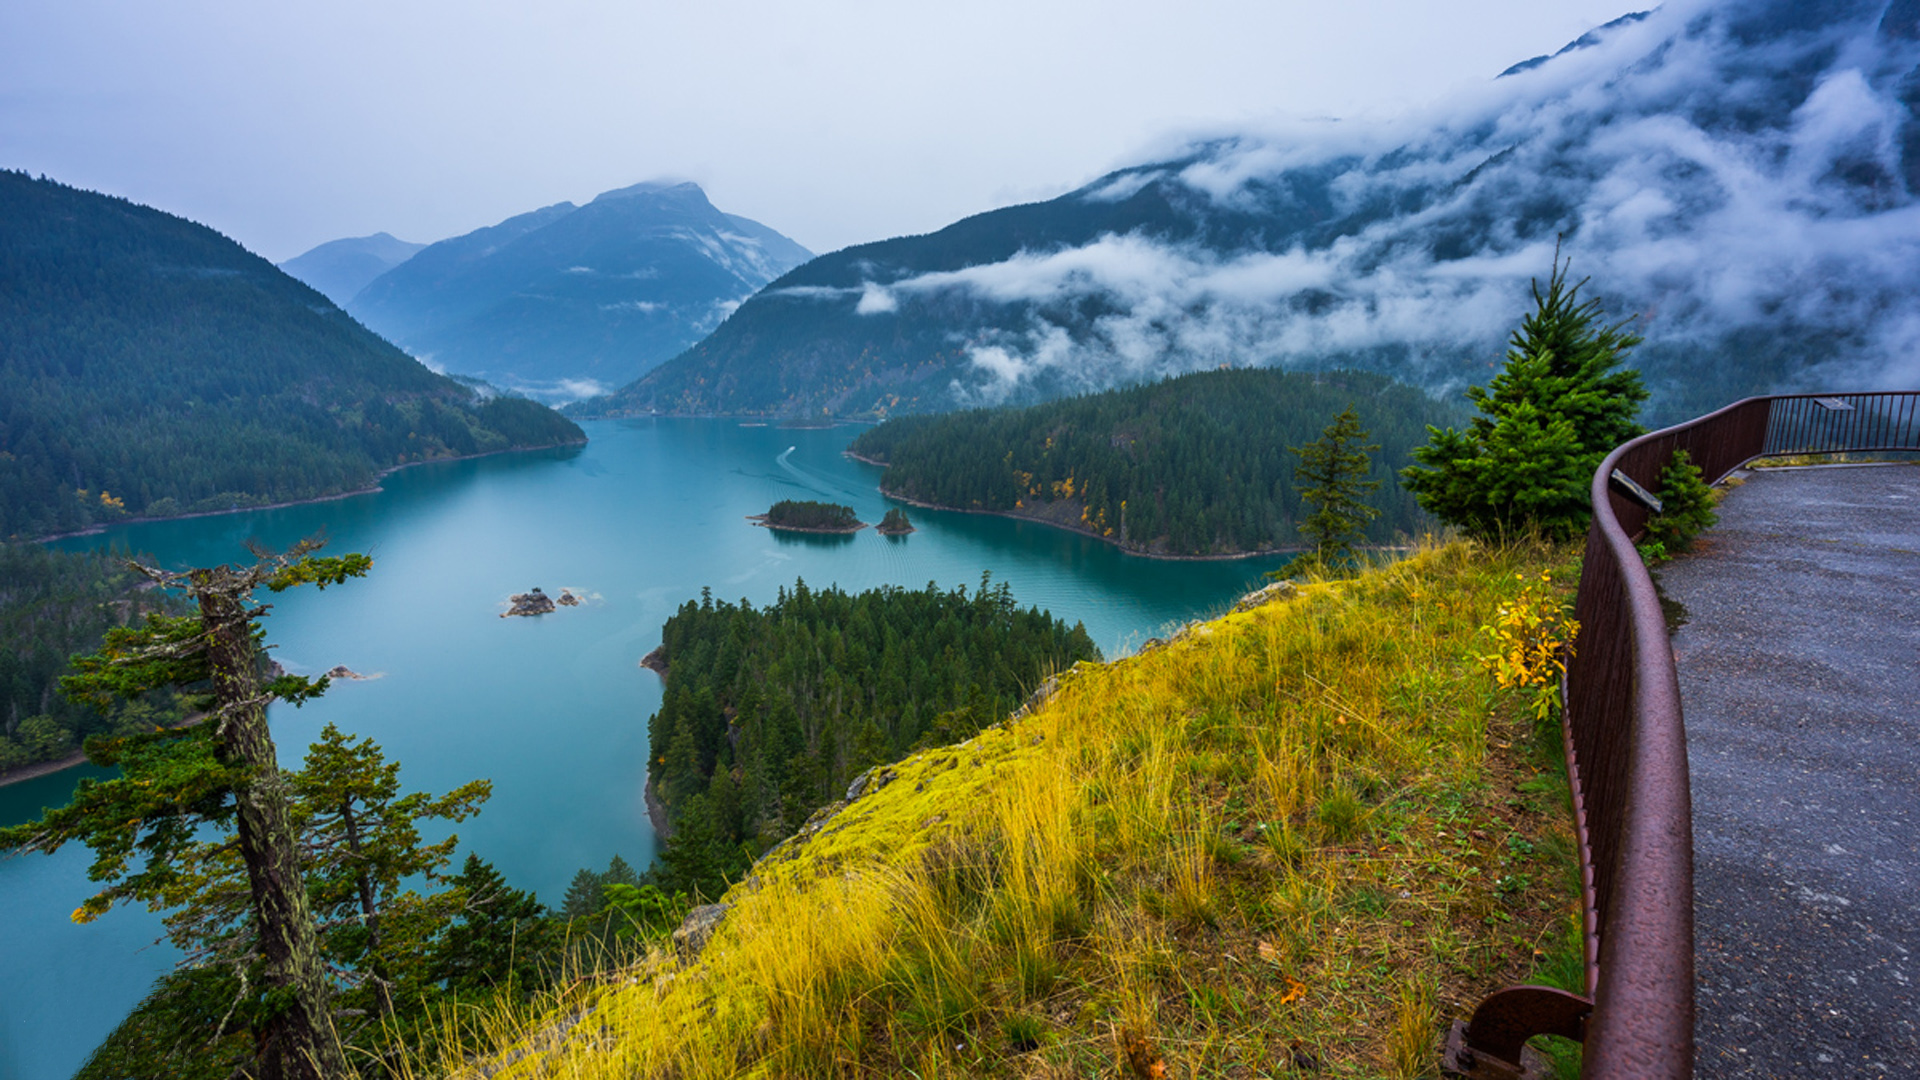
[[1626, 748]]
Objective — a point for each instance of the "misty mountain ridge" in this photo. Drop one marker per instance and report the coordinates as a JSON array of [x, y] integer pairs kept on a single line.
[[1739, 176], [341, 268], [567, 300]]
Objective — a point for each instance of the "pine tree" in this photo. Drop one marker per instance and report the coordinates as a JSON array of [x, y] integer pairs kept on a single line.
[[362, 840], [222, 773], [583, 897], [1561, 403], [1686, 507], [499, 937], [620, 872], [1331, 475]]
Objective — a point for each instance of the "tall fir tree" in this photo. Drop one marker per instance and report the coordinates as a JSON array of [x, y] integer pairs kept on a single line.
[[1560, 404], [222, 773], [1332, 476], [583, 897], [362, 841], [499, 937]]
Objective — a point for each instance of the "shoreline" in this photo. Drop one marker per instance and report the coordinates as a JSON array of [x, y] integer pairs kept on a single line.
[[1039, 520], [656, 814], [783, 423], [656, 662], [74, 760], [42, 768], [1124, 550], [371, 489], [761, 521]]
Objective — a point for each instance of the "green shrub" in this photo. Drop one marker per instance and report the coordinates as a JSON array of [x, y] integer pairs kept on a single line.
[[1546, 421], [1686, 507]]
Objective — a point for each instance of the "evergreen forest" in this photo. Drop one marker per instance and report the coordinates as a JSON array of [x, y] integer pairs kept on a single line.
[[812, 516], [1194, 465], [54, 604], [770, 712], [151, 367]]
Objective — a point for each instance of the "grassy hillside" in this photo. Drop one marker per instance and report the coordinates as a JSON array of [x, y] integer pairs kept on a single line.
[[151, 366], [1295, 838]]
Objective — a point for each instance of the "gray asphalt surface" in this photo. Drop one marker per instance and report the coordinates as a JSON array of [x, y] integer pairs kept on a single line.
[[1800, 682]]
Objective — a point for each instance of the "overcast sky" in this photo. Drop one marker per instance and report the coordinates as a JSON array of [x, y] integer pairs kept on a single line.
[[834, 121]]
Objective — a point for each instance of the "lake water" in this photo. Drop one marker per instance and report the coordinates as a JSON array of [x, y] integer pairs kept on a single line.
[[552, 709]]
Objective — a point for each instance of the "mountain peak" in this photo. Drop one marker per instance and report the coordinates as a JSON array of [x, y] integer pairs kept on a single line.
[[1584, 41], [341, 268], [567, 300], [676, 188]]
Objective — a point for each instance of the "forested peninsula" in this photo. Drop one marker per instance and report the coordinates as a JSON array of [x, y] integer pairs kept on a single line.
[[770, 712], [1195, 466], [150, 367]]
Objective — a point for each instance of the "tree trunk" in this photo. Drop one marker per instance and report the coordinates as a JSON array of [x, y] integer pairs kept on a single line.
[[298, 1040], [369, 912]]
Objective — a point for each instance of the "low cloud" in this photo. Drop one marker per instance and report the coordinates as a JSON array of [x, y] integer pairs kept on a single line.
[[1716, 169], [559, 391], [875, 300]]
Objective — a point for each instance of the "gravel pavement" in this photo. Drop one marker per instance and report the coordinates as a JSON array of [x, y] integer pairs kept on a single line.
[[1800, 680]]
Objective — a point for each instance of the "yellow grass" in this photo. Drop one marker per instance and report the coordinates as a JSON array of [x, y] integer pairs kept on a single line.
[[1312, 831]]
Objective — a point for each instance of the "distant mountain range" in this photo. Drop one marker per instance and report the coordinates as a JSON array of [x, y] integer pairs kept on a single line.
[[569, 300], [150, 366], [1739, 176], [341, 268]]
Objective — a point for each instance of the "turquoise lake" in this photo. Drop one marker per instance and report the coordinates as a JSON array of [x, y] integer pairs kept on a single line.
[[552, 709]]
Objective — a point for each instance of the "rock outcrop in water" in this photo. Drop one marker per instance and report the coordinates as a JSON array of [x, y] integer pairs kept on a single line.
[[532, 602]]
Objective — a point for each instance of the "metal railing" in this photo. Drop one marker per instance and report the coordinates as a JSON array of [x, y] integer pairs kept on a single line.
[[1627, 752]]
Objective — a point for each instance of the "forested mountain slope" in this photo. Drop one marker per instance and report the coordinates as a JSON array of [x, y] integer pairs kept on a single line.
[[54, 604], [1197, 465], [151, 366], [769, 712], [1739, 174]]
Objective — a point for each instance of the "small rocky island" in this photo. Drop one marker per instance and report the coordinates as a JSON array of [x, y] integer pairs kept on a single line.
[[894, 524], [809, 517], [536, 602]]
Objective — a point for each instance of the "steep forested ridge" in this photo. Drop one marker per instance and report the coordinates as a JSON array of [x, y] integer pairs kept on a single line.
[[151, 366], [1767, 251], [54, 604], [1197, 465], [798, 348], [770, 712]]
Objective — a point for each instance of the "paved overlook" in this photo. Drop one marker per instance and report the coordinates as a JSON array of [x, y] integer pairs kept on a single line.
[[1800, 679]]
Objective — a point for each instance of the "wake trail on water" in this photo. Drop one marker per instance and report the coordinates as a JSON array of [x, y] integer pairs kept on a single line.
[[812, 481]]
